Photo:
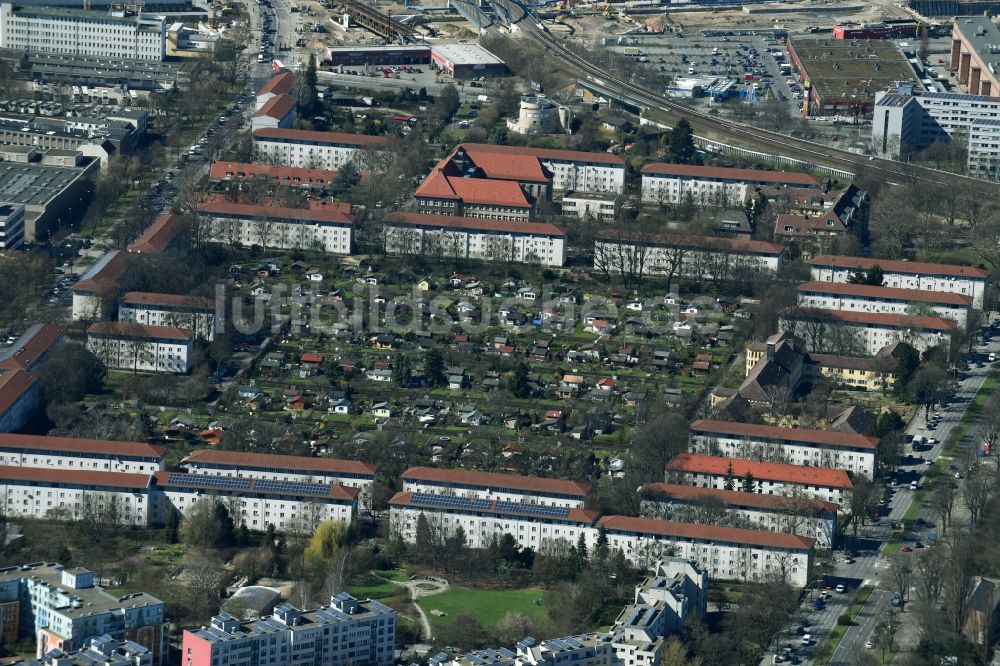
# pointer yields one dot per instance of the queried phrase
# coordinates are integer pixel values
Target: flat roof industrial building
(466, 60)
(94, 71)
(52, 196)
(975, 54)
(844, 75)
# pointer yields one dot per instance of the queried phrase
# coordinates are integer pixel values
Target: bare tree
(901, 575)
(957, 578)
(942, 501)
(976, 493)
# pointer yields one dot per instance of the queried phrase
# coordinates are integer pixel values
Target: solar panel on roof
(292, 487)
(201, 481)
(378, 607)
(573, 642)
(449, 501)
(526, 642)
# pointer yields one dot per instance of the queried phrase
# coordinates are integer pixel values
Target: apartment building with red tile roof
(439, 194)
(166, 232)
(491, 485)
(872, 331)
(885, 300)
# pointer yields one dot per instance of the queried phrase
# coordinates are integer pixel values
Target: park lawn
(370, 587)
(488, 606)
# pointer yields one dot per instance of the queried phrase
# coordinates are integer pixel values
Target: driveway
(420, 586)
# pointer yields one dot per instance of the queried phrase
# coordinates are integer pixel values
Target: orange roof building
(440, 194)
(166, 232)
(886, 300)
(491, 485)
(303, 177)
(307, 148)
(20, 387)
(870, 331)
(770, 478)
(920, 275)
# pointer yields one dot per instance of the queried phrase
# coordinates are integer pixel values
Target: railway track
(749, 137)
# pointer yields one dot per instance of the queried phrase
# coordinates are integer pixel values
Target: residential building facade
(514, 488)
(11, 226)
(704, 185)
(191, 313)
(920, 275)
(470, 238)
(315, 150)
(349, 473)
(348, 631)
(683, 255)
(70, 453)
(439, 194)
(797, 446)
(888, 300)
(726, 553)
(803, 516)
(770, 478)
(143, 347)
(865, 332)
(319, 228)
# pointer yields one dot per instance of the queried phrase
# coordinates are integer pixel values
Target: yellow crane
(607, 10)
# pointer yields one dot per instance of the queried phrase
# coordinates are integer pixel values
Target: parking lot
(754, 62)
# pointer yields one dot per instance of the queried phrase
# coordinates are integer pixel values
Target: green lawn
(489, 606)
(370, 587)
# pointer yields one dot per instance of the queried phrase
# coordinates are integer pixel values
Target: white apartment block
(916, 121)
(67, 453)
(796, 446)
(770, 478)
(984, 150)
(349, 473)
(142, 347)
(683, 255)
(11, 226)
(584, 172)
(112, 34)
(316, 150)
(712, 186)
(61, 609)
(726, 553)
(472, 238)
(288, 505)
(586, 206)
(491, 486)
(110, 498)
(191, 313)
(864, 332)
(94, 294)
(348, 631)
(920, 275)
(323, 229)
(533, 525)
(887, 300)
(791, 515)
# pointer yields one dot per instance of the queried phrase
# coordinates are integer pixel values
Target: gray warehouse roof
(34, 184)
(983, 36)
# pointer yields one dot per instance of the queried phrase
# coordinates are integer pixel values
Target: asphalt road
(869, 564)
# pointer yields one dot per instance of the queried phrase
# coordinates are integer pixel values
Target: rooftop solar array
(526, 642)
(202, 481)
(568, 643)
(533, 509)
(292, 487)
(448, 501)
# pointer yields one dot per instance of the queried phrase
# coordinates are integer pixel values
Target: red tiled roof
(725, 173)
(160, 234)
(895, 266)
(711, 533)
(876, 318)
(554, 154)
(300, 463)
(76, 477)
(285, 174)
(277, 107)
(695, 242)
(105, 278)
(138, 330)
(808, 226)
(696, 463)
(38, 345)
(279, 84)
(332, 214)
(885, 293)
(453, 221)
(13, 384)
(77, 445)
(168, 300)
(499, 166)
(309, 357)
(494, 480)
(575, 515)
(822, 437)
(472, 190)
(737, 498)
(309, 136)
(336, 491)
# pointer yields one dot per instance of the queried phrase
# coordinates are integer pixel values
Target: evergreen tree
(682, 142)
(581, 547)
(730, 482)
(519, 385)
(425, 540)
(601, 550)
(242, 536)
(749, 484)
(227, 529)
(347, 178)
(269, 537)
(401, 372)
(307, 89)
(171, 527)
(434, 367)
